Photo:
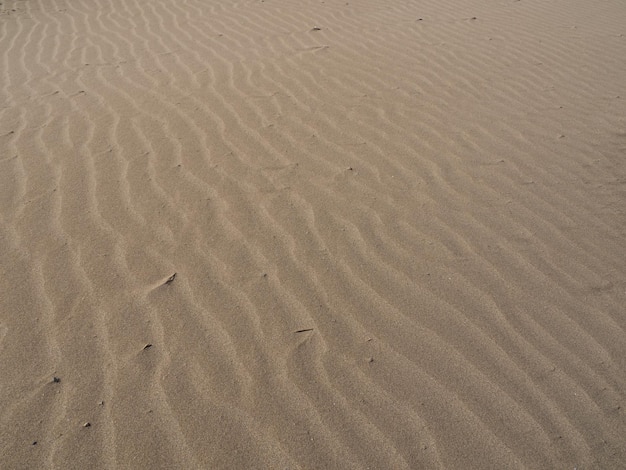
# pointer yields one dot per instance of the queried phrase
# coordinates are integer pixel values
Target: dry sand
(397, 229)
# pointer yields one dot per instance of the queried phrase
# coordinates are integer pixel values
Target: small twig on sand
(303, 330)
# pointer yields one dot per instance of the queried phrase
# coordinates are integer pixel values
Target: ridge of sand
(397, 230)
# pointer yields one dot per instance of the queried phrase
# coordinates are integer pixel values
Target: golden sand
(396, 227)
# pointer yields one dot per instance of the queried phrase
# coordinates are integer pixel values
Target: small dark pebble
(56, 380)
(87, 424)
(147, 346)
(370, 360)
(34, 443)
(316, 29)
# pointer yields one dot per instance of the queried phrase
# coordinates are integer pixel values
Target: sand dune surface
(352, 234)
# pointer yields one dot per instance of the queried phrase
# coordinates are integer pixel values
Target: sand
(397, 231)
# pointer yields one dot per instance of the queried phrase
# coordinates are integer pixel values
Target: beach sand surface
(312, 234)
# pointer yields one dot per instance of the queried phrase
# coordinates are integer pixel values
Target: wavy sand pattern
(397, 229)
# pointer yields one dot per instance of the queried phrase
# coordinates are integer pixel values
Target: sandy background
(397, 229)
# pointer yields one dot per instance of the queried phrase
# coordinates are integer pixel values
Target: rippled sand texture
(397, 229)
